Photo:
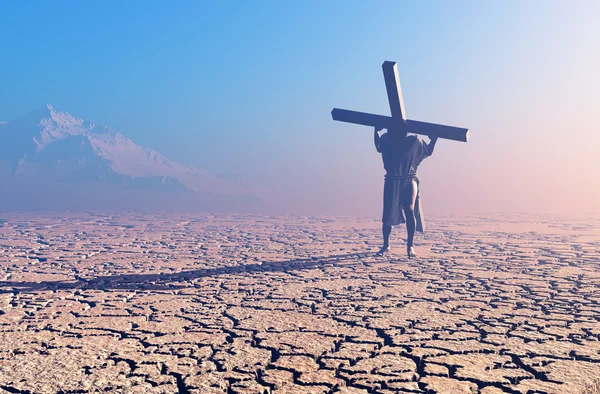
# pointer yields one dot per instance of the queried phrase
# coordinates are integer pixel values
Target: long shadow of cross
(168, 281)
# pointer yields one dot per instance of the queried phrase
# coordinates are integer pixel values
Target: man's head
(398, 131)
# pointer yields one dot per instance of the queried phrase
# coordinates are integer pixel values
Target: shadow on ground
(171, 281)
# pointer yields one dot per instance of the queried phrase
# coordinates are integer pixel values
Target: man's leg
(409, 212)
(387, 230)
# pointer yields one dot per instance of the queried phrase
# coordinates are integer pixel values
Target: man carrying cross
(401, 155)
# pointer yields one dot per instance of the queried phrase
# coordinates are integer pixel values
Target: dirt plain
(176, 303)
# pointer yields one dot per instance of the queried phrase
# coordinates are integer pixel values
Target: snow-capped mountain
(65, 156)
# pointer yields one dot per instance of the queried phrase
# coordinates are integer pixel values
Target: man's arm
(431, 145)
(377, 140)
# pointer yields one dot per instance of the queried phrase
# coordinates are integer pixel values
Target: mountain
(52, 159)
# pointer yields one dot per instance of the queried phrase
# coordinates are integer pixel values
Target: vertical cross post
(394, 92)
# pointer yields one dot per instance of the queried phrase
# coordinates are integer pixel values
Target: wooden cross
(398, 119)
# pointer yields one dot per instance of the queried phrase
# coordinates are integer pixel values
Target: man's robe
(401, 158)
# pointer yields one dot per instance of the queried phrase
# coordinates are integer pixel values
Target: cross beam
(398, 118)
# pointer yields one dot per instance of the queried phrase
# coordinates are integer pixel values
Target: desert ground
(198, 303)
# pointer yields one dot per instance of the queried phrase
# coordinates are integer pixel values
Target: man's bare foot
(383, 251)
(411, 252)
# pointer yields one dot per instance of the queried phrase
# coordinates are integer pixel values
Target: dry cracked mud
(174, 303)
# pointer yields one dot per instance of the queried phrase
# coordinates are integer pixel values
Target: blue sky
(247, 88)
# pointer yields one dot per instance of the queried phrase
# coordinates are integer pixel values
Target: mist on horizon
(235, 98)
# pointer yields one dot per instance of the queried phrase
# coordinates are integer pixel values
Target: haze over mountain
(52, 159)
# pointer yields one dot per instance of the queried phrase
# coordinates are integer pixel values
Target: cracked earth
(139, 303)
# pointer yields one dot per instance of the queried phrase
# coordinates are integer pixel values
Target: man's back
(402, 154)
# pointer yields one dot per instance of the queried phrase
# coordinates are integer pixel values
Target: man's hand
(431, 145)
(376, 138)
